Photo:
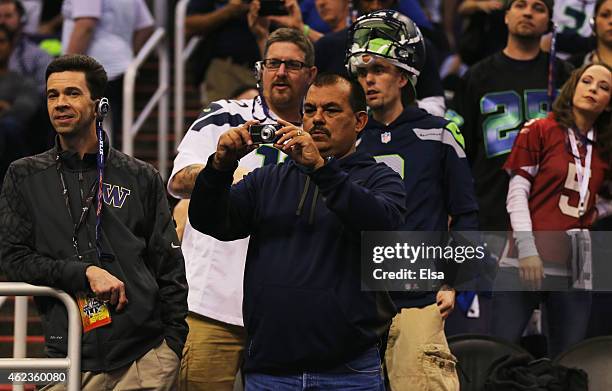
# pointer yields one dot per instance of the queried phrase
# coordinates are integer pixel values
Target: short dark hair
(359, 6)
(297, 38)
(357, 98)
(550, 6)
(18, 6)
(95, 75)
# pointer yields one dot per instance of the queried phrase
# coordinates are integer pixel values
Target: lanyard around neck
(85, 206)
(87, 202)
(100, 168)
(583, 175)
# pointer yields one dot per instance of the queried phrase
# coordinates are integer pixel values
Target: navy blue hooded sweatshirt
(303, 305)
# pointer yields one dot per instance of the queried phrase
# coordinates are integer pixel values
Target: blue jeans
(566, 313)
(363, 373)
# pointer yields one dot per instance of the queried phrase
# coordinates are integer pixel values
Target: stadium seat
(594, 357)
(475, 354)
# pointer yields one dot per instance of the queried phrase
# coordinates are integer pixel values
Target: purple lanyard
(551, 68)
(100, 166)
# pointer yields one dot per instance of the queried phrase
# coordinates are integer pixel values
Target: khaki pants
(417, 357)
(223, 78)
(156, 370)
(212, 355)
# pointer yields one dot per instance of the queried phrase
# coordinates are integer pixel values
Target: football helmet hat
(389, 35)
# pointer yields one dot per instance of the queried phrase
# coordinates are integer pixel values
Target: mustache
(280, 80)
(319, 129)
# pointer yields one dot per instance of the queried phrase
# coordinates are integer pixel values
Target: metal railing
(159, 42)
(181, 55)
(73, 360)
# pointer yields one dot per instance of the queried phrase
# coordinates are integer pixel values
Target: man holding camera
(308, 322)
(86, 218)
(215, 269)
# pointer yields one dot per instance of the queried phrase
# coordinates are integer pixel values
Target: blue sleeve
(461, 201)
(311, 17)
(378, 204)
(465, 104)
(465, 222)
(413, 10)
(219, 209)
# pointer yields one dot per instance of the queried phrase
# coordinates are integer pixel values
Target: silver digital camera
(264, 134)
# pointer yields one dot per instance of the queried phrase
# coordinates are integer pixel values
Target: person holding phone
(288, 13)
(220, 65)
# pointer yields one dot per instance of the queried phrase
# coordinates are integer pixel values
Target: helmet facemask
(388, 35)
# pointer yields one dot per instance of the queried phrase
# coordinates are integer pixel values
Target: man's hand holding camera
(291, 139)
(298, 144)
(232, 146)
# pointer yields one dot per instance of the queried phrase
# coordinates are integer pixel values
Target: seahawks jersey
(215, 269)
(427, 152)
(200, 141)
(495, 97)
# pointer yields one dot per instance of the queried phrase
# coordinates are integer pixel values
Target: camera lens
(267, 133)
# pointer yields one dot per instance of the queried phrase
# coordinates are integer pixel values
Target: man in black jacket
(308, 322)
(97, 225)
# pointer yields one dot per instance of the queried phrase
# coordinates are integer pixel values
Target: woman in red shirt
(557, 166)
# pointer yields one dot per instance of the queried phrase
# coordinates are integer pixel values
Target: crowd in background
(491, 67)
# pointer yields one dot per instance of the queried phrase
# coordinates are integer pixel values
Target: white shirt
(111, 44)
(215, 269)
(33, 10)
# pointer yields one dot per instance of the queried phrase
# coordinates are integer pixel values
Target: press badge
(94, 312)
(582, 260)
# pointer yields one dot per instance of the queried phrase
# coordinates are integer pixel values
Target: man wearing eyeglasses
(215, 269)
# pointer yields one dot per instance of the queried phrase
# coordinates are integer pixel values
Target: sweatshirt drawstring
(313, 205)
(298, 212)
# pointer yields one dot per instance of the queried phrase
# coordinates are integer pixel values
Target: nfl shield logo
(385, 137)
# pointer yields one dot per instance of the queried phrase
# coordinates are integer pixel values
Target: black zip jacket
(138, 237)
(304, 307)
